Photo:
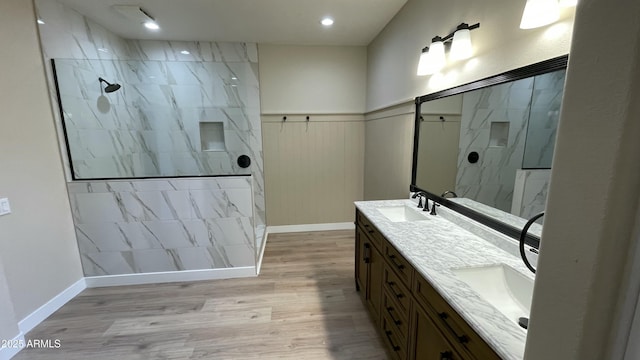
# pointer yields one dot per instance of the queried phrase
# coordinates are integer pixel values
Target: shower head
(110, 87)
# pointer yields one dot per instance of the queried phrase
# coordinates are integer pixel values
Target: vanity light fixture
(40, 21)
(461, 45)
(432, 58)
(539, 13)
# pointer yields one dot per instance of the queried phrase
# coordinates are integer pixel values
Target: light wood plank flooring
(302, 306)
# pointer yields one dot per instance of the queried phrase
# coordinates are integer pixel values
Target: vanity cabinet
(427, 343)
(369, 265)
(415, 322)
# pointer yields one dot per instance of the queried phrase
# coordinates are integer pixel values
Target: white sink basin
(401, 213)
(503, 287)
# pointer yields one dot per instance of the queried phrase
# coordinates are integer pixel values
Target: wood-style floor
(302, 306)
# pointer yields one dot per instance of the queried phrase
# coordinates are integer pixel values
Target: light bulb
(435, 57)
(422, 63)
(461, 46)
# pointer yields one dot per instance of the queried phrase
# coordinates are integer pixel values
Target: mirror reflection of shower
(110, 87)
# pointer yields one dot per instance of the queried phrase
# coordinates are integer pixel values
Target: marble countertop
(436, 246)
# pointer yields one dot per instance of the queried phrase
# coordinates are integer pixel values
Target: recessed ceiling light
(40, 21)
(185, 52)
(151, 25)
(327, 21)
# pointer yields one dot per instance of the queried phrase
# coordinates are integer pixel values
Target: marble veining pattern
(153, 70)
(530, 195)
(490, 180)
(546, 101)
(126, 227)
(434, 247)
(531, 106)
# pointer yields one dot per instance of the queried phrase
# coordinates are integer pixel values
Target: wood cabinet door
(361, 263)
(376, 264)
(427, 343)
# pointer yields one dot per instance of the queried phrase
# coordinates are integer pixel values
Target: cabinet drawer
(450, 323)
(397, 345)
(398, 263)
(396, 290)
(370, 230)
(393, 312)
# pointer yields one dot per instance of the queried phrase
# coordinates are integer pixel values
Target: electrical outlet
(5, 207)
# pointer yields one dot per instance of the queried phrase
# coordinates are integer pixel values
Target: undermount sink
(503, 287)
(401, 213)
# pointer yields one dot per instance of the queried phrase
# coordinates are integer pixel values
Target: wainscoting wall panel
(389, 150)
(314, 169)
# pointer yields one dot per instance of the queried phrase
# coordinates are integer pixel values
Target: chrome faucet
(449, 192)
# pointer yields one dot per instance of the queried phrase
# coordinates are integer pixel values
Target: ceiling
(293, 22)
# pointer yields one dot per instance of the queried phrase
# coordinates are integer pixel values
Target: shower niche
(212, 136)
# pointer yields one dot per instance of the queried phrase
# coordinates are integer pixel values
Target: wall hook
(307, 117)
(442, 118)
(284, 118)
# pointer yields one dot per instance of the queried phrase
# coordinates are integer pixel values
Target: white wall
(312, 79)
(8, 321)
(588, 232)
(37, 241)
(499, 46)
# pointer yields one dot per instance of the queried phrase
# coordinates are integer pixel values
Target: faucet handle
(433, 208)
(418, 195)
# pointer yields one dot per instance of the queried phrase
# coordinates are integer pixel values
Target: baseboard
(264, 246)
(51, 306)
(7, 353)
(310, 227)
(170, 276)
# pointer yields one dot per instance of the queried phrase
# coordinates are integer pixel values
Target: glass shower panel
(151, 126)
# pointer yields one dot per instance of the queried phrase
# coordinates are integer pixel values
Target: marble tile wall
(530, 193)
(150, 127)
(543, 120)
(491, 179)
(69, 35)
(126, 227)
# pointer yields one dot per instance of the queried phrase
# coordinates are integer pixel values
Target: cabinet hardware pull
(446, 355)
(463, 339)
(398, 295)
(389, 310)
(399, 266)
(393, 346)
(367, 253)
